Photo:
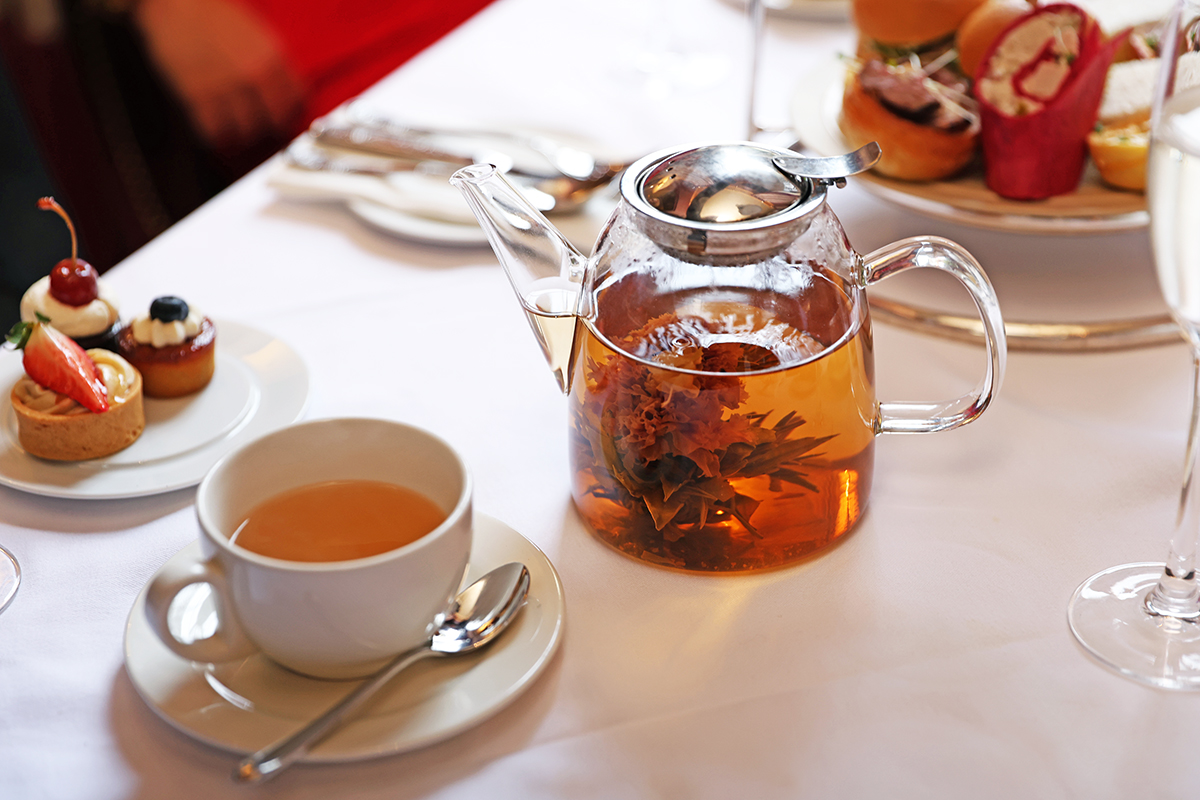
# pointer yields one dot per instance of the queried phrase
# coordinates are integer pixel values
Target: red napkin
(341, 48)
(1041, 154)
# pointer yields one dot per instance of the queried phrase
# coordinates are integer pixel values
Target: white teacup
(334, 619)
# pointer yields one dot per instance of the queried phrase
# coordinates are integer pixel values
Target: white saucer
(241, 706)
(260, 384)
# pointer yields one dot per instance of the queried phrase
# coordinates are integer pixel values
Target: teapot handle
(943, 254)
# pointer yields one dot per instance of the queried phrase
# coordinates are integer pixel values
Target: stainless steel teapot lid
(729, 199)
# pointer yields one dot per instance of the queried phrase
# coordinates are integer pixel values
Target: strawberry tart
(73, 405)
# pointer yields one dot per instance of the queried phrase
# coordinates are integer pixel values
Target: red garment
(341, 47)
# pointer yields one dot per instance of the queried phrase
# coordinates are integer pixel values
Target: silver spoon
(480, 613)
(831, 169)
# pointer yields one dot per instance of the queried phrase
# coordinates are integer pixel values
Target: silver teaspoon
(480, 613)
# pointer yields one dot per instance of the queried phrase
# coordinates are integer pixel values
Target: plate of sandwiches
(999, 114)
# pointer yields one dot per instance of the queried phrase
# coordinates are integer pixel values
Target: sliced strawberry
(54, 361)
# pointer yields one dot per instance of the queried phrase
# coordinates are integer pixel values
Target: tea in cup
(330, 547)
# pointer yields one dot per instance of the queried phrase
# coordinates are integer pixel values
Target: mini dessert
(72, 405)
(72, 297)
(174, 347)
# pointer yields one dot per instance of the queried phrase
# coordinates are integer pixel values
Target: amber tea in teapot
(739, 435)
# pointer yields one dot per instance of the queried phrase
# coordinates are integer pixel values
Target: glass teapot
(717, 352)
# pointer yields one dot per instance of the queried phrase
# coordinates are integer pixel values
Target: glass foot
(10, 578)
(1108, 616)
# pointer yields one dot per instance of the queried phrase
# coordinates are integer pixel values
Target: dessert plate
(243, 705)
(1092, 208)
(260, 384)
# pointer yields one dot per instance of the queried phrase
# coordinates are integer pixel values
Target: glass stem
(1177, 594)
(756, 37)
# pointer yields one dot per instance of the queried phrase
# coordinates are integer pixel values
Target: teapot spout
(545, 270)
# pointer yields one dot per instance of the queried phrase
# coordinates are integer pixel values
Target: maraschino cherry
(73, 281)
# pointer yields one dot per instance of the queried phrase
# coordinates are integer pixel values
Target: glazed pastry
(73, 298)
(174, 347)
(71, 405)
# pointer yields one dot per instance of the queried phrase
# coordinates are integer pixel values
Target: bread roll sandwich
(895, 30)
(905, 91)
(926, 123)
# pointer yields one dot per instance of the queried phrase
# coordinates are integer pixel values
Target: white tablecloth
(927, 656)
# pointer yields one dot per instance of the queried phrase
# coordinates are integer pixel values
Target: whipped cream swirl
(75, 321)
(157, 333)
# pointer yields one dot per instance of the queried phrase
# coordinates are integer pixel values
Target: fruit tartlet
(73, 405)
(73, 298)
(174, 347)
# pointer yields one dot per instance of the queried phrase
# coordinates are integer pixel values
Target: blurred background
(132, 113)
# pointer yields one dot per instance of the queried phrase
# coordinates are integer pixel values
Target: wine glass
(1143, 620)
(756, 12)
(10, 577)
